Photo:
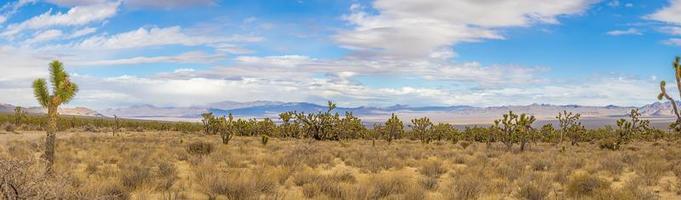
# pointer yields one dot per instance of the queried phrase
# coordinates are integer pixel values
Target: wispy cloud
(75, 16)
(630, 31)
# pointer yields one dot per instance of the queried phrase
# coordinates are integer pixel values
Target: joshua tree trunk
(50, 140)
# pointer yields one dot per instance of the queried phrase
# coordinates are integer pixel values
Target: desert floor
(156, 165)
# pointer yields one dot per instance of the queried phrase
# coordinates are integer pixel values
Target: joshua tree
(19, 115)
(570, 126)
(63, 91)
(515, 128)
(319, 125)
(422, 127)
(676, 126)
(628, 129)
(393, 128)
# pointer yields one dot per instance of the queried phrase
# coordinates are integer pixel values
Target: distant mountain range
(78, 111)
(456, 114)
(452, 114)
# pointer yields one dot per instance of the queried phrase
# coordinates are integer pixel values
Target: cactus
(63, 91)
(422, 128)
(394, 128)
(676, 126)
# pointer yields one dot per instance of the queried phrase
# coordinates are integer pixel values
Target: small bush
(384, 186)
(612, 165)
(9, 127)
(200, 148)
(467, 187)
(429, 183)
(541, 165)
(432, 168)
(532, 191)
(135, 176)
(651, 169)
(583, 184)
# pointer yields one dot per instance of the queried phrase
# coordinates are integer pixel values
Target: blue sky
(377, 53)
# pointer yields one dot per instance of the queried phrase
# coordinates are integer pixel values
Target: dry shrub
(466, 187)
(167, 175)
(25, 179)
(330, 184)
(651, 169)
(612, 165)
(632, 190)
(238, 184)
(582, 184)
(135, 176)
(91, 168)
(199, 148)
(384, 185)
(311, 190)
(533, 191)
(541, 164)
(432, 168)
(429, 183)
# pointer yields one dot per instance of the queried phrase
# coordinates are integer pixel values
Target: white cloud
(403, 28)
(8, 10)
(672, 30)
(144, 37)
(163, 4)
(673, 42)
(82, 32)
(630, 31)
(168, 4)
(45, 36)
(670, 14)
(80, 15)
(189, 57)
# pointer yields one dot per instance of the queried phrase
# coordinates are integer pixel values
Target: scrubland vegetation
(327, 155)
(171, 165)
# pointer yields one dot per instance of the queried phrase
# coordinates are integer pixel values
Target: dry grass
(183, 166)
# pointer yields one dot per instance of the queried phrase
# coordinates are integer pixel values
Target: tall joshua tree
(63, 91)
(663, 94)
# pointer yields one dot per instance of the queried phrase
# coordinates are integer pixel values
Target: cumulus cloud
(402, 28)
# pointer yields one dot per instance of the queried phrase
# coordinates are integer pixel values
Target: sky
(354, 52)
